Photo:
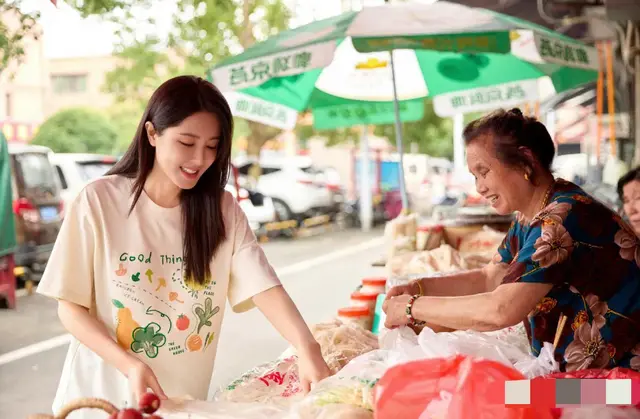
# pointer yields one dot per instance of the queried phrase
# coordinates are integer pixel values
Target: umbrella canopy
(340, 67)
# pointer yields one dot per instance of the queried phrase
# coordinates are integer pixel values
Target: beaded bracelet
(412, 320)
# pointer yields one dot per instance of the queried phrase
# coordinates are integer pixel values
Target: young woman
(148, 254)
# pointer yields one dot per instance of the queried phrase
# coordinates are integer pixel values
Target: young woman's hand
(141, 379)
(312, 367)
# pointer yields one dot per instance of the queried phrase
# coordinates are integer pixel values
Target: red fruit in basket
(183, 322)
(129, 414)
(149, 403)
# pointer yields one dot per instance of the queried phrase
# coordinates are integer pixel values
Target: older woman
(629, 192)
(565, 255)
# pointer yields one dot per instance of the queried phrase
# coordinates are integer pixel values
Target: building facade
(24, 86)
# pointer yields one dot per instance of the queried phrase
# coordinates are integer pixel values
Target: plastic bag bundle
(276, 383)
(349, 393)
(506, 348)
(341, 342)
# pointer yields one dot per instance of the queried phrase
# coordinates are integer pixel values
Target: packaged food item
(360, 316)
(341, 342)
(411, 225)
(361, 299)
(486, 240)
(429, 237)
(276, 383)
(373, 285)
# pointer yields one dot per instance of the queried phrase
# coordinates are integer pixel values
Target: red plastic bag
(474, 388)
(591, 374)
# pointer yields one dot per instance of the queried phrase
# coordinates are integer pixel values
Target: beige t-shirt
(128, 271)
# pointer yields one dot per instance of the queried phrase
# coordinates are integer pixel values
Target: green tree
(77, 130)
(15, 27)
(205, 33)
(432, 134)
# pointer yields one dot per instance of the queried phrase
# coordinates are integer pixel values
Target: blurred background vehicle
(258, 208)
(297, 187)
(37, 205)
(74, 170)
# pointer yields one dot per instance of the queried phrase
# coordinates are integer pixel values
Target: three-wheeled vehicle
(8, 242)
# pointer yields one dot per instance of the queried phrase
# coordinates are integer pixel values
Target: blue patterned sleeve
(545, 251)
(506, 250)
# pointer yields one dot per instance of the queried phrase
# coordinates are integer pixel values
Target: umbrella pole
(366, 199)
(396, 108)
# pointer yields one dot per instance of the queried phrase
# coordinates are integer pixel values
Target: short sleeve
(508, 249)
(69, 273)
(251, 272)
(545, 254)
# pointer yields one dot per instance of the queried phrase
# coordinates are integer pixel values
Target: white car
(296, 186)
(74, 170)
(258, 208)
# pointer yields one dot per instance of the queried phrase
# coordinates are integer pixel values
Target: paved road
(319, 273)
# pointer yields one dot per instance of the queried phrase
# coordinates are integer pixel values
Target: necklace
(547, 195)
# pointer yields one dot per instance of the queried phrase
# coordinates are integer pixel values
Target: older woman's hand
(396, 310)
(411, 288)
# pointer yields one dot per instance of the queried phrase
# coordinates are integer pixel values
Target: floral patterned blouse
(591, 257)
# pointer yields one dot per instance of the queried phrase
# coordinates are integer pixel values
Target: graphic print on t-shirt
(155, 313)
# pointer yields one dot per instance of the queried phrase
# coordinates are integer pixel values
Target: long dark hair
(202, 218)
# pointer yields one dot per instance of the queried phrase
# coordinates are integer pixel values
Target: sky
(66, 34)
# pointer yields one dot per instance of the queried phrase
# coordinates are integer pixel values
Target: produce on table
(149, 403)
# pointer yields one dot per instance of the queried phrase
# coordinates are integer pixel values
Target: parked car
(37, 206)
(258, 208)
(74, 170)
(297, 187)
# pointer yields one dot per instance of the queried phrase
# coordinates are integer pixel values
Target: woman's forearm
(277, 306)
(92, 333)
(476, 312)
(457, 284)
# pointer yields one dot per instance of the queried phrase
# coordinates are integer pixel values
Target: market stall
(404, 372)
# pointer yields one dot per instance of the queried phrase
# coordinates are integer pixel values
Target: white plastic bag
(544, 364)
(505, 348)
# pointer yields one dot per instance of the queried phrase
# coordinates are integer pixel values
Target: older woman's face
(505, 188)
(631, 200)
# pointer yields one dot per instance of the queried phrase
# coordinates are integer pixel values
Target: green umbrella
(342, 70)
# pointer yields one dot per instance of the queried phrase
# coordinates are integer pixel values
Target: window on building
(69, 83)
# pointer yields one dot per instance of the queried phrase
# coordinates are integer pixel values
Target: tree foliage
(15, 27)
(432, 135)
(77, 130)
(204, 32)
